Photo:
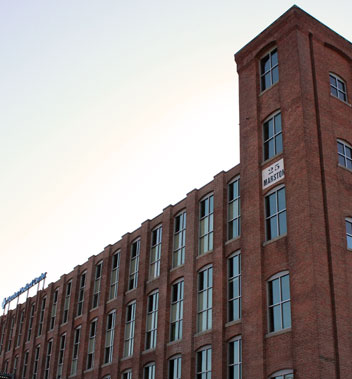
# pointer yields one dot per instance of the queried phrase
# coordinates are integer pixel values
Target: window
(60, 363)
(53, 309)
(20, 329)
(9, 341)
(6, 365)
(2, 337)
(204, 363)
(176, 311)
(15, 364)
(30, 323)
(109, 337)
(127, 374)
(175, 364)
(25, 364)
(234, 287)
(235, 359)
(67, 302)
(275, 213)
(82, 283)
(149, 371)
(338, 87)
(114, 277)
(205, 299)
(91, 344)
(152, 321)
(269, 70)
(272, 137)
(36, 362)
(206, 224)
(349, 233)
(97, 283)
(41, 317)
(279, 302)
(134, 264)
(178, 254)
(283, 374)
(155, 253)
(75, 351)
(234, 210)
(47, 359)
(129, 329)
(344, 153)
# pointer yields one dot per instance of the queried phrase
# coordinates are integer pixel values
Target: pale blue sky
(112, 110)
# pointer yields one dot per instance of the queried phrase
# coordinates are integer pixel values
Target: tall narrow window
(344, 152)
(275, 213)
(283, 374)
(97, 283)
(235, 359)
(234, 289)
(149, 371)
(2, 335)
(48, 358)
(67, 302)
(114, 276)
(205, 299)
(349, 233)
(20, 329)
(175, 364)
(127, 374)
(206, 224)
(36, 361)
(9, 341)
(152, 321)
(178, 254)
(269, 70)
(134, 265)
(41, 317)
(109, 337)
(176, 311)
(82, 284)
(155, 253)
(53, 309)
(279, 302)
(234, 209)
(91, 344)
(60, 363)
(129, 329)
(75, 350)
(25, 364)
(204, 363)
(338, 87)
(272, 136)
(15, 364)
(30, 323)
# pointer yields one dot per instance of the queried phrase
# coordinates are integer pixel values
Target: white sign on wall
(273, 173)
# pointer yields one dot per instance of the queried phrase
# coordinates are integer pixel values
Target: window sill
(272, 159)
(203, 332)
(274, 240)
(126, 358)
(148, 351)
(176, 268)
(233, 240)
(174, 342)
(235, 322)
(277, 333)
(343, 101)
(152, 280)
(129, 291)
(204, 254)
(267, 89)
(344, 167)
(88, 370)
(105, 364)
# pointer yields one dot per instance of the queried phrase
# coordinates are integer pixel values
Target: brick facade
(316, 342)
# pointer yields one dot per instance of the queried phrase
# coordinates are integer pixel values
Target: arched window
(338, 87)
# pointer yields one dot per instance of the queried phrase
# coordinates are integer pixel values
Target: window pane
(285, 287)
(281, 199)
(286, 310)
(278, 142)
(349, 242)
(282, 223)
(275, 73)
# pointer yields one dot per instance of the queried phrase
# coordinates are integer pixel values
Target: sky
(110, 111)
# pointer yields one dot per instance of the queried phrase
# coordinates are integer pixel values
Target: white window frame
(176, 323)
(98, 273)
(53, 309)
(177, 367)
(36, 361)
(151, 327)
(206, 224)
(283, 373)
(208, 364)
(129, 330)
(80, 300)
(281, 302)
(20, 328)
(49, 351)
(114, 276)
(155, 252)
(230, 279)
(41, 316)
(134, 264)
(127, 374)
(91, 344)
(75, 349)
(347, 160)
(149, 371)
(109, 336)
(68, 289)
(270, 70)
(233, 231)
(274, 137)
(348, 234)
(275, 214)
(60, 362)
(25, 364)
(237, 362)
(30, 322)
(179, 247)
(341, 93)
(12, 326)
(205, 313)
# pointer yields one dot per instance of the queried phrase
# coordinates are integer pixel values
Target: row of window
(269, 75)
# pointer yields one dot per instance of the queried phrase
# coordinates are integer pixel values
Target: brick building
(251, 282)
